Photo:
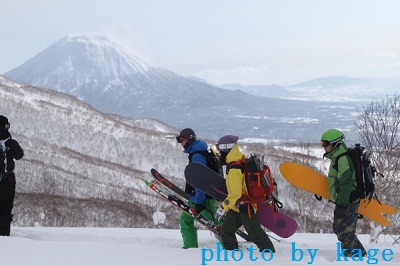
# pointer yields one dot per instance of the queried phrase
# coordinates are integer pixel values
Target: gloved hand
(219, 214)
(340, 211)
(198, 208)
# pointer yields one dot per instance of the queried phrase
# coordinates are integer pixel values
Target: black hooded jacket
(13, 149)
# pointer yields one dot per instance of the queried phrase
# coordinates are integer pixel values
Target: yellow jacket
(235, 182)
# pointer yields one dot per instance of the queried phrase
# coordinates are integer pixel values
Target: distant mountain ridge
(262, 90)
(106, 76)
(326, 89)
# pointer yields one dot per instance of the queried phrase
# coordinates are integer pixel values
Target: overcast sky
(251, 42)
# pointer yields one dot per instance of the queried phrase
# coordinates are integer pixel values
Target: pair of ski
(160, 189)
(213, 184)
(164, 188)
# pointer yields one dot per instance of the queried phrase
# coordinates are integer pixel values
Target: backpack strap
(245, 198)
(235, 165)
(204, 153)
(190, 156)
(335, 166)
(353, 193)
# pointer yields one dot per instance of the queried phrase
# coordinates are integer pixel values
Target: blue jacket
(197, 145)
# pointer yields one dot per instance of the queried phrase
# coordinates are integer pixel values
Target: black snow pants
(7, 194)
(233, 220)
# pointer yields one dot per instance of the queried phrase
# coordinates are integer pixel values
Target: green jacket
(341, 176)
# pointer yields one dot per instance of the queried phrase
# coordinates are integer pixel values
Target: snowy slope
(154, 247)
(74, 152)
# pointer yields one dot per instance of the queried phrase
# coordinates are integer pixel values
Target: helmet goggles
(325, 143)
(180, 139)
(224, 147)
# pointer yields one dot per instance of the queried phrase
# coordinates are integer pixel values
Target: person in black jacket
(7, 183)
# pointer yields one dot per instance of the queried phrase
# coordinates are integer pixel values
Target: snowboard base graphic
(307, 179)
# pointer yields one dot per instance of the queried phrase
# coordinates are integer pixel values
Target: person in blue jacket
(199, 202)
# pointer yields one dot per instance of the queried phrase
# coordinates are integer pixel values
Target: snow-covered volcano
(94, 69)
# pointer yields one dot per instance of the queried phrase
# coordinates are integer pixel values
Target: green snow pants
(186, 222)
(233, 220)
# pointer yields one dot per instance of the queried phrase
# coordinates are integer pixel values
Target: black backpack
(365, 172)
(213, 163)
(212, 160)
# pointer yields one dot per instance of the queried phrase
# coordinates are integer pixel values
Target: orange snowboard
(307, 179)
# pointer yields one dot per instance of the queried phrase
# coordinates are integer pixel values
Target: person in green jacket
(341, 182)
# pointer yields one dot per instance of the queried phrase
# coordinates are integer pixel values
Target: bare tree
(378, 127)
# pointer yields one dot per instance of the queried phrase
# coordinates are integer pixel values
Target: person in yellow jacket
(237, 215)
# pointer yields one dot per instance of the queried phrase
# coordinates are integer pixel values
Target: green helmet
(332, 136)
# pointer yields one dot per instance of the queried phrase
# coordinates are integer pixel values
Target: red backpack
(261, 187)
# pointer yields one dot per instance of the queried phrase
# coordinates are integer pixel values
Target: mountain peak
(77, 60)
(101, 40)
(103, 43)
